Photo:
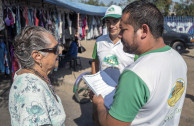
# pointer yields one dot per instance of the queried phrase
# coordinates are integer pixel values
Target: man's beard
(132, 49)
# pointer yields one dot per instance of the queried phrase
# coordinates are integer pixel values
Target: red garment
(26, 15)
(36, 19)
(11, 17)
(15, 66)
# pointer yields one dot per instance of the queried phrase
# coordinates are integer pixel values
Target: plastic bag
(81, 49)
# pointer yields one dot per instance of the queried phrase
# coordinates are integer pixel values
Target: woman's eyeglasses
(55, 50)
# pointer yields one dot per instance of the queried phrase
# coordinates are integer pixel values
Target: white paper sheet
(101, 83)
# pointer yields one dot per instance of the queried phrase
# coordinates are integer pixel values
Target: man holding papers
(151, 91)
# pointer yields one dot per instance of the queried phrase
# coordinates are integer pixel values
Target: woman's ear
(37, 56)
(145, 31)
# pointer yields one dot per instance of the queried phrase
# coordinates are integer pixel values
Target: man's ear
(37, 56)
(145, 31)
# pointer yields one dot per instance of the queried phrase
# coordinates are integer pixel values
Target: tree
(102, 4)
(163, 5)
(93, 2)
(112, 3)
(184, 8)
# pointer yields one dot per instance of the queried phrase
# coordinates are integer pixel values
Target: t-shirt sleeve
(131, 94)
(94, 54)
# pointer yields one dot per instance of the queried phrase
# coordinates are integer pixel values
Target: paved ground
(80, 115)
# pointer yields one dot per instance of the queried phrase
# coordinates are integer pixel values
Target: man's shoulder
(102, 38)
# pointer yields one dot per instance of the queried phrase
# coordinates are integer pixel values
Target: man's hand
(104, 118)
(98, 100)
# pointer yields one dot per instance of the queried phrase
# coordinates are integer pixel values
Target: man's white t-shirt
(111, 56)
(151, 91)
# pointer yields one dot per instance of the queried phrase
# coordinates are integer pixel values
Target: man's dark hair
(141, 12)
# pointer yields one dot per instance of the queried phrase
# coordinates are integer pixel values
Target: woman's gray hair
(31, 38)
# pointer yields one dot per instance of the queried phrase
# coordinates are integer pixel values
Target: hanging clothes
(18, 22)
(7, 19)
(83, 27)
(22, 18)
(44, 18)
(15, 65)
(60, 25)
(2, 25)
(4, 65)
(94, 22)
(36, 21)
(12, 16)
(89, 21)
(41, 18)
(69, 24)
(67, 31)
(2, 60)
(55, 16)
(49, 22)
(30, 17)
(63, 29)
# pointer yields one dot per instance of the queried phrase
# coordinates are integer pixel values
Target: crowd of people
(151, 77)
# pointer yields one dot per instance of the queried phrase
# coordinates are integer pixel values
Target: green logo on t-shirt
(111, 60)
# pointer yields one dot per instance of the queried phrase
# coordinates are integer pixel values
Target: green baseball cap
(113, 11)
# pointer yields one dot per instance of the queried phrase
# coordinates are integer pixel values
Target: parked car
(178, 41)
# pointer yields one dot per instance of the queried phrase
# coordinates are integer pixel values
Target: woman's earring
(40, 65)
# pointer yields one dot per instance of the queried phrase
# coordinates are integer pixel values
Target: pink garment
(83, 28)
(84, 21)
(83, 32)
(11, 17)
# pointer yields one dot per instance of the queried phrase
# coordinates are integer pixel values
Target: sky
(108, 1)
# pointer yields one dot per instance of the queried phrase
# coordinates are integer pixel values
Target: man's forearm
(102, 114)
(95, 66)
(106, 119)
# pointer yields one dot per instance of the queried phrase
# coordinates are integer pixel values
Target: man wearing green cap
(108, 51)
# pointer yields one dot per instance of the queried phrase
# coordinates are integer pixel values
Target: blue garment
(72, 52)
(7, 71)
(4, 64)
(2, 59)
(57, 25)
(30, 18)
(18, 23)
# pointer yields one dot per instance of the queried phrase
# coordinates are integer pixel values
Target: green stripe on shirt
(163, 49)
(94, 54)
(131, 94)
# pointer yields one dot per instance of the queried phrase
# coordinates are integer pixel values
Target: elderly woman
(32, 100)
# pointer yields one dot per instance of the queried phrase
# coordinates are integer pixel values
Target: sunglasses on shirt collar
(54, 50)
